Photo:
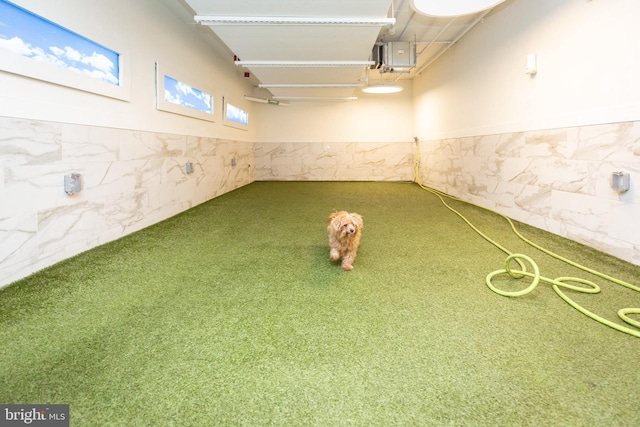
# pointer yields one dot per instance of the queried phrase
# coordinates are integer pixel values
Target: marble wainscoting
(131, 180)
(557, 180)
(342, 161)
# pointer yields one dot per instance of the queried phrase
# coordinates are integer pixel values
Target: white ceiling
(326, 42)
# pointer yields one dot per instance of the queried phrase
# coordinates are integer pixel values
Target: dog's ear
(357, 220)
(336, 222)
(331, 216)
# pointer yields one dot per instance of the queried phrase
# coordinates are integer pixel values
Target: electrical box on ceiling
(399, 57)
(394, 57)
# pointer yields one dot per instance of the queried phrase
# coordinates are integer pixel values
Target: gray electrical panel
(398, 57)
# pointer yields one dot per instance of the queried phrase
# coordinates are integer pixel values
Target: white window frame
(232, 123)
(170, 107)
(24, 66)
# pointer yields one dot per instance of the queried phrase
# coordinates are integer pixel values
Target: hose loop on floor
(622, 313)
(516, 274)
(557, 284)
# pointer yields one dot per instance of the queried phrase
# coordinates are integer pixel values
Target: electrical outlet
(233, 161)
(620, 181)
(188, 168)
(72, 183)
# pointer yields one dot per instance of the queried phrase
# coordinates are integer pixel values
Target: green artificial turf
(232, 314)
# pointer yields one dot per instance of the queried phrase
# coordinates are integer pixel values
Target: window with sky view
(29, 35)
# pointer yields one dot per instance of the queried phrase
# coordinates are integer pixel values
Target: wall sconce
(620, 181)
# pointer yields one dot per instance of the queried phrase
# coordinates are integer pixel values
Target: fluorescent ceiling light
(382, 88)
(265, 101)
(452, 8)
(304, 63)
(316, 98)
(311, 85)
(291, 20)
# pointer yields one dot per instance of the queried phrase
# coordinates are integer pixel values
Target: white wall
(131, 156)
(588, 68)
(370, 118)
(541, 149)
(369, 139)
(147, 31)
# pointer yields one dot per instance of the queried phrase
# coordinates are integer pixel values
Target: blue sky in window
(30, 35)
(181, 93)
(237, 115)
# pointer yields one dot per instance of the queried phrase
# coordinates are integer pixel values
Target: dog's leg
(347, 262)
(334, 255)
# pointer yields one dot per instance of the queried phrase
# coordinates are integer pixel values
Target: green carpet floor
(232, 314)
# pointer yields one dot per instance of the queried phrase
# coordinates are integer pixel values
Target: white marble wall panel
(335, 161)
(557, 180)
(131, 180)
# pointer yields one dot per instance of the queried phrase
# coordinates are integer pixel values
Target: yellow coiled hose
(557, 284)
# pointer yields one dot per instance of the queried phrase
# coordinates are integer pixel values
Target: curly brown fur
(344, 237)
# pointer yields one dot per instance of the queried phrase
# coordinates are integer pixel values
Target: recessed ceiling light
(382, 88)
(452, 8)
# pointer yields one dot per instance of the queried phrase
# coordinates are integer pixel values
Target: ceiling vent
(394, 57)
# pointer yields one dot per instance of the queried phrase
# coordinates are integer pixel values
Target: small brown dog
(344, 237)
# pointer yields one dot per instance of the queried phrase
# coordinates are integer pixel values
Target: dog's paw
(334, 255)
(347, 267)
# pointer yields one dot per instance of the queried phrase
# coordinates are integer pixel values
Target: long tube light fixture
(310, 85)
(382, 88)
(287, 64)
(316, 98)
(291, 20)
(265, 101)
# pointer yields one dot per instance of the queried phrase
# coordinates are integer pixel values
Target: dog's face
(345, 224)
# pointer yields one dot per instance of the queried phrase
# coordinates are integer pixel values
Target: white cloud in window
(189, 91)
(237, 115)
(170, 97)
(99, 62)
(16, 45)
(96, 65)
(185, 95)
